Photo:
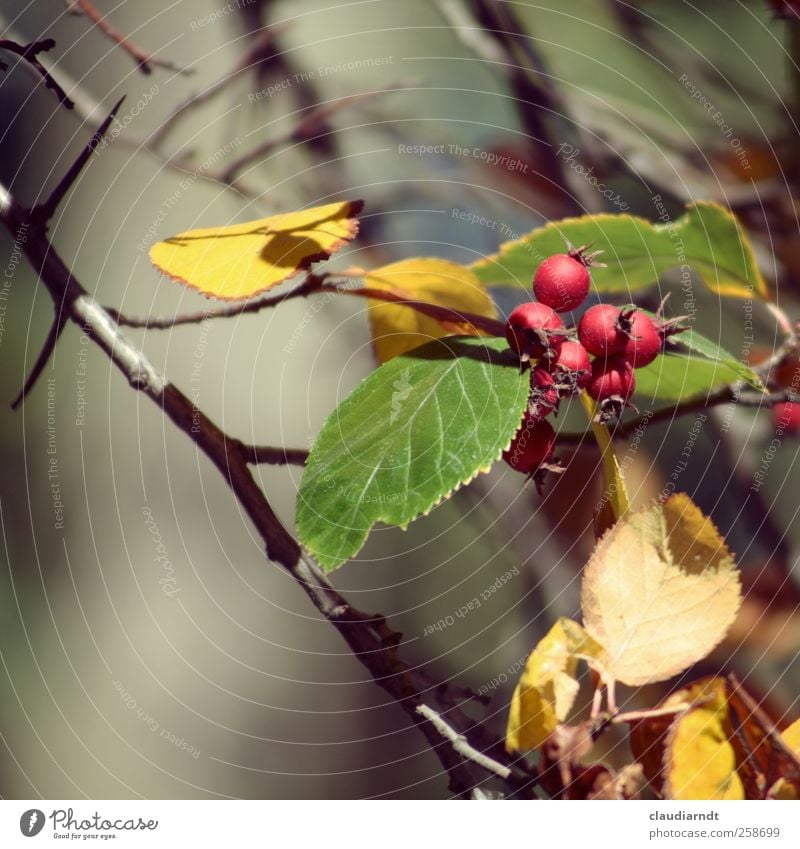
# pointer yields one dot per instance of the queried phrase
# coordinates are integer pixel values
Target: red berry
(786, 417)
(612, 378)
(562, 282)
(544, 393)
(644, 343)
(529, 330)
(601, 332)
(571, 365)
(532, 446)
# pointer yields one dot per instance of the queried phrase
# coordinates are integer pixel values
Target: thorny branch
(29, 53)
(368, 636)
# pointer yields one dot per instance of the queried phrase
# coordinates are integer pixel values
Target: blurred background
(148, 649)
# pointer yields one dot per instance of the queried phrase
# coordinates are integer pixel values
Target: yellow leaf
(548, 686)
(397, 329)
(791, 736)
(700, 762)
(241, 260)
(660, 591)
(783, 788)
(648, 734)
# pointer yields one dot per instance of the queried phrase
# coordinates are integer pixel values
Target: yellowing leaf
(660, 591)
(648, 734)
(397, 329)
(700, 762)
(548, 686)
(791, 736)
(242, 260)
(783, 788)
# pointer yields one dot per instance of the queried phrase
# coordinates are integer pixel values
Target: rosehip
(571, 365)
(644, 343)
(544, 393)
(562, 281)
(612, 378)
(532, 446)
(786, 417)
(529, 330)
(601, 330)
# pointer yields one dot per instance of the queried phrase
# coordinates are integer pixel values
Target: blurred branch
(29, 53)
(142, 58)
(368, 636)
(314, 125)
(496, 35)
(255, 55)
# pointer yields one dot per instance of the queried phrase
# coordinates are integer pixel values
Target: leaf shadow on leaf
(452, 347)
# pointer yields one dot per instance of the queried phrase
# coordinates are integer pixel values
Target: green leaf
(706, 238)
(693, 341)
(414, 431)
(677, 377)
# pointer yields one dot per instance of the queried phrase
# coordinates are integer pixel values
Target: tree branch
(368, 636)
(275, 456)
(312, 125)
(254, 56)
(462, 746)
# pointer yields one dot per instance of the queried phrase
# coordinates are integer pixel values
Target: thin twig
(142, 58)
(228, 311)
(45, 211)
(53, 335)
(312, 285)
(637, 715)
(29, 53)
(461, 744)
(444, 314)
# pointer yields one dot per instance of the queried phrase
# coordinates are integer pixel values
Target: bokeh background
(198, 669)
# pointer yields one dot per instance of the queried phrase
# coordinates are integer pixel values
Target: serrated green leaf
(693, 341)
(415, 430)
(676, 377)
(706, 237)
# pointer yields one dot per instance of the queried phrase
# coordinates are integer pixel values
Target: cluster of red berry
(620, 339)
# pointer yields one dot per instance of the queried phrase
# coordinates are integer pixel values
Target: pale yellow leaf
(660, 591)
(242, 260)
(397, 329)
(699, 761)
(548, 686)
